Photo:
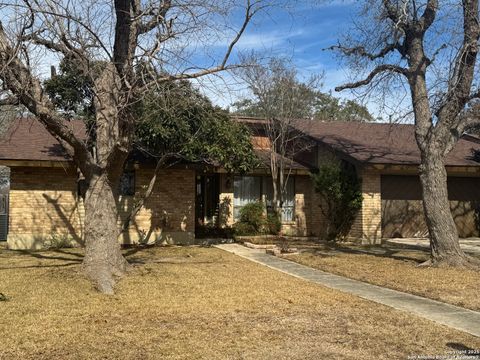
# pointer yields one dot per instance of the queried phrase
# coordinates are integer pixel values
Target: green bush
(253, 221)
(340, 190)
(273, 225)
(253, 214)
(244, 229)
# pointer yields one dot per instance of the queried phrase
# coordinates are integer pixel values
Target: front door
(207, 199)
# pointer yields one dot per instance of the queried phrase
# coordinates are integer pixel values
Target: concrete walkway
(471, 245)
(449, 315)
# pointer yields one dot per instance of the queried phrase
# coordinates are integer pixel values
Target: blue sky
(300, 34)
(303, 35)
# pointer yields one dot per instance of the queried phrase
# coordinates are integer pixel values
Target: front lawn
(395, 267)
(197, 303)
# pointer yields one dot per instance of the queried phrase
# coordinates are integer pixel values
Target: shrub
(253, 215)
(243, 229)
(339, 188)
(253, 221)
(273, 224)
(58, 241)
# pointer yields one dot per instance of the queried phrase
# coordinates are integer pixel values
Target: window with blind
(288, 208)
(248, 189)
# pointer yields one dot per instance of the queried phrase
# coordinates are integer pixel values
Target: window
(288, 208)
(246, 189)
(127, 183)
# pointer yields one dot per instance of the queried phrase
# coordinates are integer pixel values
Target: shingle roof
(378, 143)
(375, 143)
(27, 139)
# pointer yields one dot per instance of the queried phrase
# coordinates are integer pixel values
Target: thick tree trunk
(444, 241)
(103, 262)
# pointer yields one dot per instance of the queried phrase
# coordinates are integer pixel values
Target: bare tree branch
(361, 51)
(378, 70)
(158, 17)
(429, 14)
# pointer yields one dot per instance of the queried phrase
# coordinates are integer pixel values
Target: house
(387, 159)
(43, 203)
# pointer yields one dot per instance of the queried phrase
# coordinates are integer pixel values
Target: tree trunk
(275, 197)
(274, 176)
(103, 262)
(444, 241)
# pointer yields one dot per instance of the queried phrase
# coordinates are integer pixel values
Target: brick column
(226, 200)
(368, 224)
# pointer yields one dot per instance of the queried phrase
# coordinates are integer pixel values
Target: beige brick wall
(44, 206)
(317, 224)
(169, 213)
(368, 223)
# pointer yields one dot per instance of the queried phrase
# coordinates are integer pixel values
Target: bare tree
(281, 99)
(121, 46)
(431, 46)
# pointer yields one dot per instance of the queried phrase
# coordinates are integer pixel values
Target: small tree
(280, 98)
(330, 108)
(341, 197)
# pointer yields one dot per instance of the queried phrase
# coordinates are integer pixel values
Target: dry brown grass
(197, 303)
(397, 268)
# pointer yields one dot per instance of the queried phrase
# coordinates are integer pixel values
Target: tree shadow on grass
(386, 253)
(41, 255)
(66, 258)
(130, 250)
(60, 260)
(381, 251)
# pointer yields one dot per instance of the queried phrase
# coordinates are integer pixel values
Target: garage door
(402, 209)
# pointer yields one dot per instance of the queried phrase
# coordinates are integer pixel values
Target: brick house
(386, 158)
(44, 202)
